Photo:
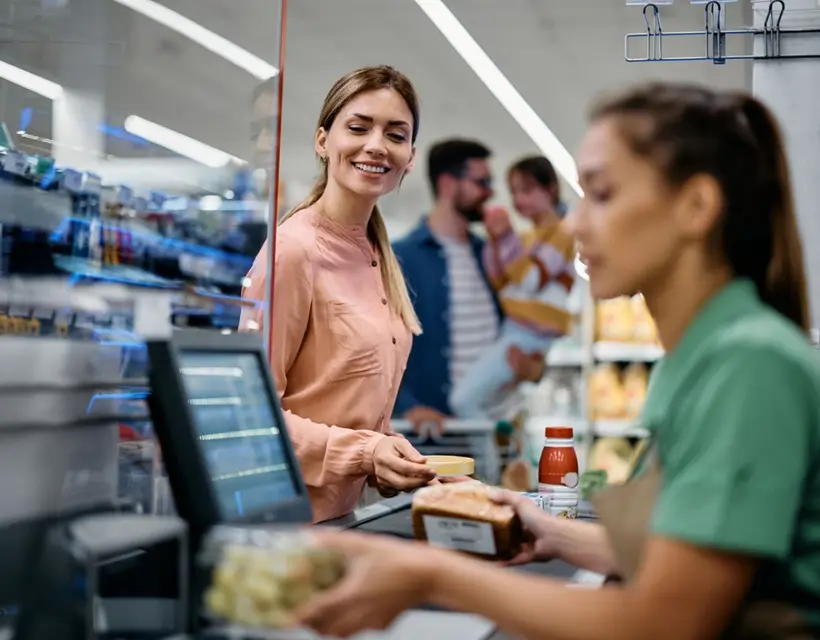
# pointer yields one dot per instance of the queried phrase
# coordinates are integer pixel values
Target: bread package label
(461, 516)
(462, 535)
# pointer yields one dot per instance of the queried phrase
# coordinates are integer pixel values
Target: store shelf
(625, 352)
(567, 356)
(625, 428)
(538, 423)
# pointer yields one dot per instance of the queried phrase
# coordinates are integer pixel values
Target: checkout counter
(79, 564)
(188, 373)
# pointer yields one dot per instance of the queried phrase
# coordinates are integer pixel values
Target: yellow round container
(452, 465)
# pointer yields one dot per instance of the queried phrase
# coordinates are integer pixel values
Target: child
(533, 275)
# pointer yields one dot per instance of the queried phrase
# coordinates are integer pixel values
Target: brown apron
(625, 512)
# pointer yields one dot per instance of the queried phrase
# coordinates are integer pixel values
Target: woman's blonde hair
(345, 90)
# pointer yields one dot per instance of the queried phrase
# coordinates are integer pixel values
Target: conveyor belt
(399, 523)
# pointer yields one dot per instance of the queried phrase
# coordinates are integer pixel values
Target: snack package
(612, 456)
(635, 382)
(644, 329)
(614, 320)
(607, 399)
(461, 516)
(260, 578)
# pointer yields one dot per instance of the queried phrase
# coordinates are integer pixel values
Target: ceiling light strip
(30, 81)
(204, 37)
(504, 91)
(177, 142)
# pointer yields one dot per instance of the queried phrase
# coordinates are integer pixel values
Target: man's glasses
(485, 183)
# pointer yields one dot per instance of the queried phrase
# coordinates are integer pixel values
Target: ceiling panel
(559, 55)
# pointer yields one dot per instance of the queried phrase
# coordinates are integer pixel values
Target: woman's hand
(397, 465)
(384, 578)
(537, 524)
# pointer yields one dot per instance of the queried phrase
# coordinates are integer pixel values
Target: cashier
(717, 533)
(342, 319)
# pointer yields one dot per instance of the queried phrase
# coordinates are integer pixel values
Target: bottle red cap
(559, 433)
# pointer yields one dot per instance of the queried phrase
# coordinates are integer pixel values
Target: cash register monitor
(219, 422)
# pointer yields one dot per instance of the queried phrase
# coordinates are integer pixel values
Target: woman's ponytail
(397, 294)
(784, 283)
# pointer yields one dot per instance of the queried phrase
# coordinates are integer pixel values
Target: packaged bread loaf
(461, 516)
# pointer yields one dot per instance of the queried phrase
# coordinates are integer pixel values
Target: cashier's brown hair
(734, 138)
(346, 89)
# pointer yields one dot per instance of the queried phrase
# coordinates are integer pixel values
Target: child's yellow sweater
(533, 274)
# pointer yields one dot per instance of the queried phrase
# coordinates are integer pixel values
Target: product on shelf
(558, 394)
(607, 398)
(644, 331)
(635, 381)
(615, 320)
(614, 456)
(260, 578)
(625, 319)
(461, 516)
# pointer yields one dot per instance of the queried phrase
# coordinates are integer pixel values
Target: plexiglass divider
(137, 156)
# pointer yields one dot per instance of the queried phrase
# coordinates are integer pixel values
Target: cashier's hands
(397, 465)
(384, 578)
(538, 525)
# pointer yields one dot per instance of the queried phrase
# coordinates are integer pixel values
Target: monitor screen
(238, 431)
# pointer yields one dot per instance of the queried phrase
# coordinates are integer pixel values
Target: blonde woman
(342, 318)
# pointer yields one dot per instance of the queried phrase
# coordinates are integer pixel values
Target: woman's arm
(326, 453)
(682, 593)
(582, 544)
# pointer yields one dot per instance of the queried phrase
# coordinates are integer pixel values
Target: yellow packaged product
(614, 320)
(645, 330)
(613, 455)
(607, 399)
(635, 382)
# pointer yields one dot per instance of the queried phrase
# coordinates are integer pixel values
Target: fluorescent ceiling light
(177, 142)
(204, 37)
(30, 81)
(502, 89)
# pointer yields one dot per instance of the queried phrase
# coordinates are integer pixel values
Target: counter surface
(393, 517)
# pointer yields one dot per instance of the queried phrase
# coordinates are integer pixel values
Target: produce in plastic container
(261, 578)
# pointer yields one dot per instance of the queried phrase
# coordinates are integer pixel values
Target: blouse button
(394, 341)
(374, 264)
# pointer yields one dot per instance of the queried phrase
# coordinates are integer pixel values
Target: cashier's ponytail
(345, 89)
(690, 130)
(783, 284)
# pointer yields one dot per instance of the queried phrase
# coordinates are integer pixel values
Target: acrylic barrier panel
(137, 145)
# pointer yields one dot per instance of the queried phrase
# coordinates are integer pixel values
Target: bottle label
(554, 483)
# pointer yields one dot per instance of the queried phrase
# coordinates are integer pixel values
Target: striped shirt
(473, 319)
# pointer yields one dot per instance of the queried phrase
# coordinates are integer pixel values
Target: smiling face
(633, 228)
(369, 148)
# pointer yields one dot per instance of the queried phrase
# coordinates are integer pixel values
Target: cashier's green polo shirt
(735, 414)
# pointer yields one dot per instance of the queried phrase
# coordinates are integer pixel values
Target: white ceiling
(559, 54)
